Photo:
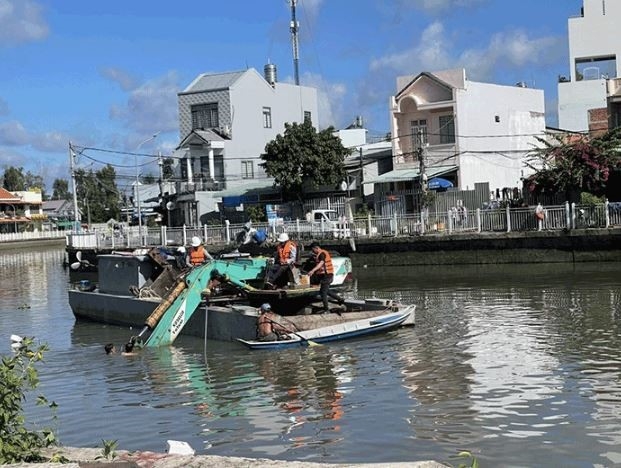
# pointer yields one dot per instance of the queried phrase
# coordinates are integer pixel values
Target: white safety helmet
(265, 307)
(181, 250)
(248, 226)
(284, 237)
(196, 241)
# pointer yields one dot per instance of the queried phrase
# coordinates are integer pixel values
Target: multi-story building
(467, 132)
(225, 121)
(593, 84)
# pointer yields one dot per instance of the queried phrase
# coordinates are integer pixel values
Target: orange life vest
(197, 255)
(328, 268)
(283, 252)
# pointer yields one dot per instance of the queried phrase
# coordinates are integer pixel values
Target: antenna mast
(294, 27)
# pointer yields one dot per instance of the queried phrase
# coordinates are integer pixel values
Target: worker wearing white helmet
(197, 254)
(284, 259)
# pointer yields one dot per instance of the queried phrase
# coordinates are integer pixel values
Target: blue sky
(106, 74)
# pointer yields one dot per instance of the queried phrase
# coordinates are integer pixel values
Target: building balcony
(200, 185)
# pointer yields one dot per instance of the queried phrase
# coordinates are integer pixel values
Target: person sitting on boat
(284, 260)
(250, 239)
(197, 254)
(268, 328)
(324, 270)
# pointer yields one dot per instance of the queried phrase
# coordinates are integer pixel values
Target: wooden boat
(341, 331)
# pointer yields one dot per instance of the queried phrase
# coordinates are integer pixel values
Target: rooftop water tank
(269, 72)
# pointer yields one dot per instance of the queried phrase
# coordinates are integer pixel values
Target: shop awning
(404, 175)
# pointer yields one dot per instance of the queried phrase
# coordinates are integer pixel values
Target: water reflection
(517, 363)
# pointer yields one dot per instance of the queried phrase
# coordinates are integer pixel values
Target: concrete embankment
(20, 245)
(92, 458)
(592, 245)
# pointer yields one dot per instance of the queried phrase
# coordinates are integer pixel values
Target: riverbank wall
(15, 245)
(576, 246)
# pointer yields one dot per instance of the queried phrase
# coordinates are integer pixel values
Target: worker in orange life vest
(284, 260)
(197, 254)
(324, 269)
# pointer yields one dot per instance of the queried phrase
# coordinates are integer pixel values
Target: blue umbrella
(438, 183)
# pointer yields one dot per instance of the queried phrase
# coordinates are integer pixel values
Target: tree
(148, 179)
(167, 168)
(573, 165)
(34, 183)
(97, 194)
(303, 154)
(14, 179)
(60, 190)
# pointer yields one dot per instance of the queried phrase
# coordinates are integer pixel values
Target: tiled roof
(6, 196)
(207, 82)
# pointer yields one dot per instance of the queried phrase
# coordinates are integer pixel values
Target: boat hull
(344, 331)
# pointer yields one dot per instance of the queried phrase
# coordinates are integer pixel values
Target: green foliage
(472, 460)
(97, 193)
(428, 198)
(148, 179)
(303, 154)
(256, 213)
(14, 179)
(590, 199)
(167, 168)
(19, 376)
(60, 190)
(578, 163)
(109, 449)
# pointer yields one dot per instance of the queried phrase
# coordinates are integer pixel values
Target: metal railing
(36, 235)
(558, 217)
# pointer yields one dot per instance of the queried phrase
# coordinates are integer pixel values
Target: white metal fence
(559, 217)
(36, 235)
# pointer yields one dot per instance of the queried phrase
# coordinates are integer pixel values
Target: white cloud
(13, 133)
(124, 79)
(438, 6)
(430, 53)
(509, 49)
(330, 97)
(151, 107)
(21, 21)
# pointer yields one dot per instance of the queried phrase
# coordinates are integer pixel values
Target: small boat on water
(337, 332)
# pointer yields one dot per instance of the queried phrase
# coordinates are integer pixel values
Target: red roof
(6, 196)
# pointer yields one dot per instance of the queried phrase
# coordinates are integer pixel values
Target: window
(247, 171)
(205, 116)
(267, 117)
(418, 132)
(307, 117)
(596, 68)
(447, 129)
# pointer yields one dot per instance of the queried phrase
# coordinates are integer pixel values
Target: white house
(225, 121)
(594, 45)
(470, 132)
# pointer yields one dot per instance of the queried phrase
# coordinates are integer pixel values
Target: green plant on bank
(19, 376)
(109, 449)
(472, 460)
(256, 213)
(587, 198)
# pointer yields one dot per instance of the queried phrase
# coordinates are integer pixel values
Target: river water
(519, 364)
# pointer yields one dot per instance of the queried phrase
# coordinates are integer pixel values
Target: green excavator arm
(166, 322)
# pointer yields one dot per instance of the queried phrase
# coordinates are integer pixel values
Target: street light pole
(152, 137)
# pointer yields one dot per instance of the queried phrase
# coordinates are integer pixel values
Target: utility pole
(422, 156)
(76, 213)
(361, 175)
(294, 28)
